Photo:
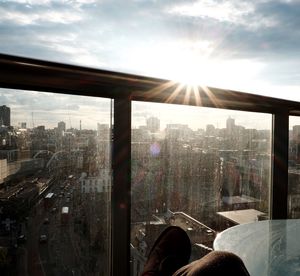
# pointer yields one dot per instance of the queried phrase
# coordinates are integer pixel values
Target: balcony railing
(125, 90)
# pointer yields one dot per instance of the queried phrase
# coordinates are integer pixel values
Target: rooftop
(242, 216)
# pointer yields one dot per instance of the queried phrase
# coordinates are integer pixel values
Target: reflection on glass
(55, 184)
(202, 169)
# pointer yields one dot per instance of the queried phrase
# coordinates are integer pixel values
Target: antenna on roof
(32, 119)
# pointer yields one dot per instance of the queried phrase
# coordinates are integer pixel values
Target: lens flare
(155, 149)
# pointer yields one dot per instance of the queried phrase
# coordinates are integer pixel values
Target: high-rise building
(230, 124)
(153, 124)
(4, 115)
(61, 127)
(23, 125)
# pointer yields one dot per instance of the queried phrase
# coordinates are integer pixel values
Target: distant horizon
(34, 108)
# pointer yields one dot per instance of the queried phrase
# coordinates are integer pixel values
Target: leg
(214, 264)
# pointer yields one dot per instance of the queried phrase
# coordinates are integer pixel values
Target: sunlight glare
(190, 66)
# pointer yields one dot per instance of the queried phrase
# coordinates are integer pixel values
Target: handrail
(32, 74)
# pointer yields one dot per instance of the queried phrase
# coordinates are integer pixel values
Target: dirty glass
(202, 169)
(55, 184)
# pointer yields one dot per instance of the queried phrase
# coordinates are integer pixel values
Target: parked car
(21, 239)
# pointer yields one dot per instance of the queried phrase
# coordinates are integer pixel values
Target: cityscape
(55, 199)
(55, 189)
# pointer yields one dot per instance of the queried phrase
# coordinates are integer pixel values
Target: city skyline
(34, 109)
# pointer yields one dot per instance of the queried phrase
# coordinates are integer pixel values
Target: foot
(171, 251)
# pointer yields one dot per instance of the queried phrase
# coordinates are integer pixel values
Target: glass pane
(294, 166)
(202, 169)
(55, 184)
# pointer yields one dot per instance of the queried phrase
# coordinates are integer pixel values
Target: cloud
(243, 27)
(31, 3)
(236, 13)
(221, 11)
(30, 17)
(154, 37)
(28, 2)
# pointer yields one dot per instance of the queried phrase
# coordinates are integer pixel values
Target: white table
(268, 248)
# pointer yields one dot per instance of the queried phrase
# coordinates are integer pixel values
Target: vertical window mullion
(121, 156)
(279, 191)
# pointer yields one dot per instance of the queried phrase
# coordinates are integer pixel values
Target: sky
(36, 109)
(250, 46)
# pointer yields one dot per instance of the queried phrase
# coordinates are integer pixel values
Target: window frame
(43, 76)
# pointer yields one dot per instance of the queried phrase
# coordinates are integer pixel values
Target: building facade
(4, 115)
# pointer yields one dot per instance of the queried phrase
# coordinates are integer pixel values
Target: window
(202, 169)
(198, 136)
(46, 138)
(294, 168)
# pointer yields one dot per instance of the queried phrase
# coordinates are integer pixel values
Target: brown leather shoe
(171, 251)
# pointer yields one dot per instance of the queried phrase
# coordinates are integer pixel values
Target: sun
(190, 75)
(188, 69)
(196, 65)
(239, 74)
